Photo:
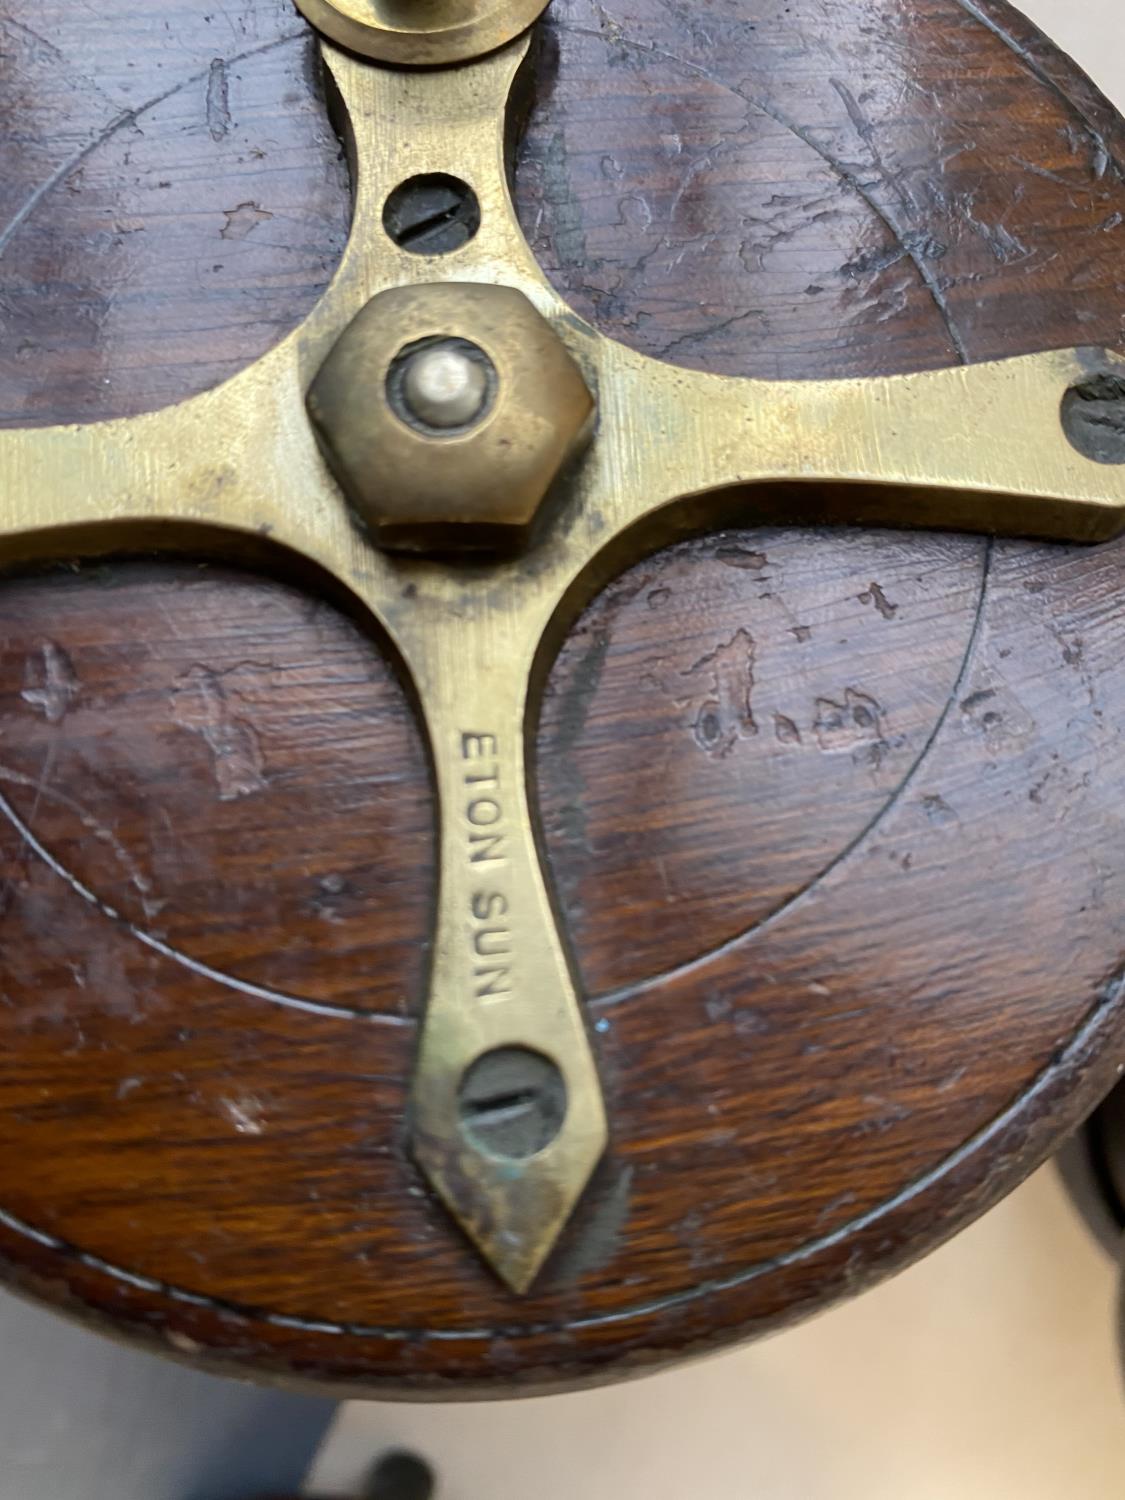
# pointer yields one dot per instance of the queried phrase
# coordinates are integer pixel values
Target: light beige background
(988, 1372)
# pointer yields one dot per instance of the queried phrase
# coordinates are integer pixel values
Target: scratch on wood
(218, 100)
(785, 730)
(873, 594)
(245, 1114)
(722, 701)
(51, 682)
(200, 704)
(97, 831)
(242, 221)
(127, 118)
(858, 720)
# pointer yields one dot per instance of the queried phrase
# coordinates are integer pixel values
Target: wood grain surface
(835, 817)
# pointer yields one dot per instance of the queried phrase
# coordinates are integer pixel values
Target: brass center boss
(445, 438)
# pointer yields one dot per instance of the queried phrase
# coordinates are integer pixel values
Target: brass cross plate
(467, 457)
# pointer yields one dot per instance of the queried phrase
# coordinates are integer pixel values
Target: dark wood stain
(834, 817)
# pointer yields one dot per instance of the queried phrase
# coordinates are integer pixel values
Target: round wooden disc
(834, 817)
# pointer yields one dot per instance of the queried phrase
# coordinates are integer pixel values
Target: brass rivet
(444, 386)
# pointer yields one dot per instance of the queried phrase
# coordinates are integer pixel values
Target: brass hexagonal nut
(477, 487)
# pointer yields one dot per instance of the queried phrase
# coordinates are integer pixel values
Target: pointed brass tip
(513, 1210)
(514, 1266)
(517, 1281)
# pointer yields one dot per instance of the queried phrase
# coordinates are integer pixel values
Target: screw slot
(1093, 418)
(432, 214)
(512, 1102)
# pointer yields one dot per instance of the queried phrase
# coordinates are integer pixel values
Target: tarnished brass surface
(422, 33)
(479, 488)
(981, 448)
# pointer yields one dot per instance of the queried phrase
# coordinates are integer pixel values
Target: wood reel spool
(833, 816)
